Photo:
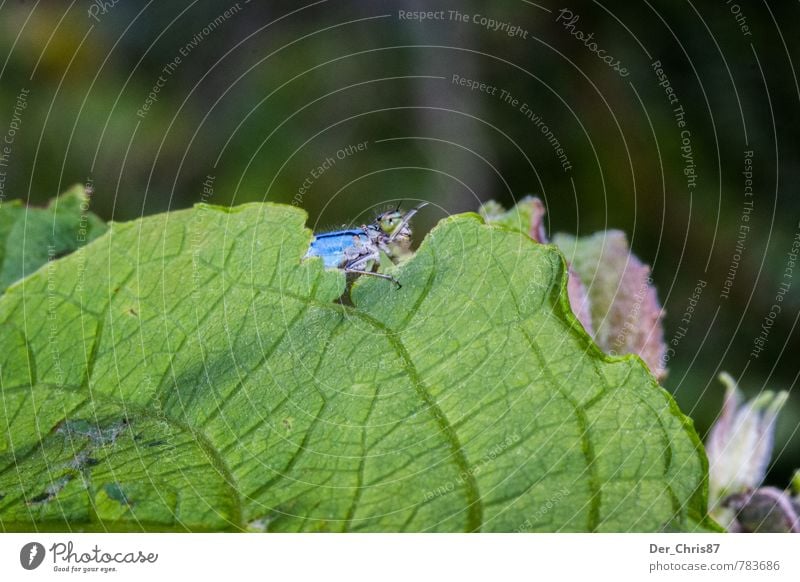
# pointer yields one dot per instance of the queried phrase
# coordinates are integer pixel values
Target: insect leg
(370, 273)
(358, 265)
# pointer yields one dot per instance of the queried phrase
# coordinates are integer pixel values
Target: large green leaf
(191, 371)
(29, 236)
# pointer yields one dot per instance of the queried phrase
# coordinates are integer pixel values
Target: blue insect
(358, 250)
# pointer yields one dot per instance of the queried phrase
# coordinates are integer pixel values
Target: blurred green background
(149, 100)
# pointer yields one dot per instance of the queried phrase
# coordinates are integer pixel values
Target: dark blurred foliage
(266, 94)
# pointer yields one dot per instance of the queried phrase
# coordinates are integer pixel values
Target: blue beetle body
(331, 246)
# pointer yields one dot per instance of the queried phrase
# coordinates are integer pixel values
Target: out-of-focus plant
(739, 448)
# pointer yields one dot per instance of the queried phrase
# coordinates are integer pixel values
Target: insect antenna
(406, 220)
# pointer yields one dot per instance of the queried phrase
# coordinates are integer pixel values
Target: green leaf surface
(29, 237)
(191, 371)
